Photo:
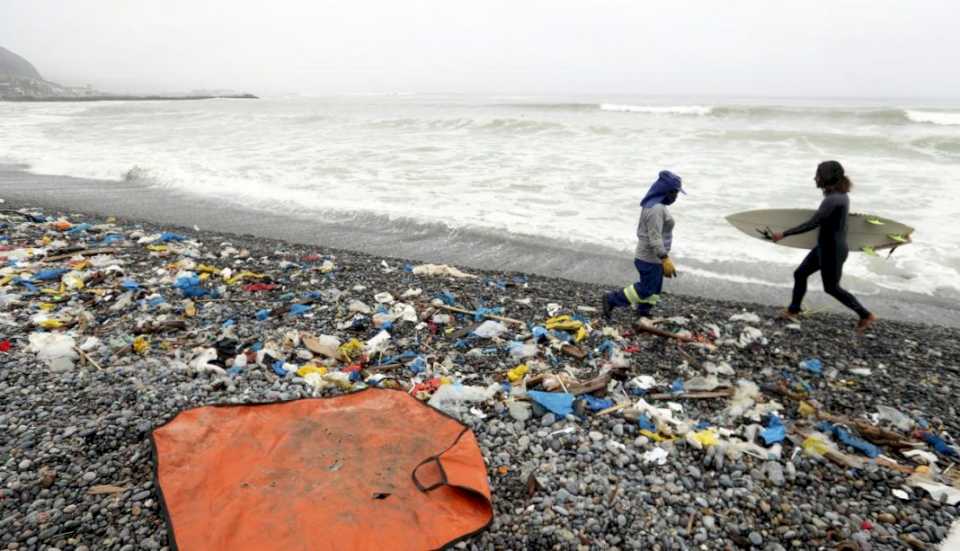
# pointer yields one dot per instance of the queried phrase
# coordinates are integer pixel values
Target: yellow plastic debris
(47, 306)
(157, 248)
(52, 324)
(706, 437)
(204, 276)
(581, 334)
(350, 350)
(654, 436)
(243, 276)
(6, 279)
(517, 373)
(445, 380)
(310, 368)
(141, 345)
(73, 280)
(814, 445)
(563, 323)
(207, 269)
(806, 410)
(190, 310)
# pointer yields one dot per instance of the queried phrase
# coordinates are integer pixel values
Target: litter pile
(714, 425)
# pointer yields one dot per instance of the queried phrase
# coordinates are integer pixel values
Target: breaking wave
(659, 109)
(945, 118)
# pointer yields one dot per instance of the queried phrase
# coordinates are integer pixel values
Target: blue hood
(666, 182)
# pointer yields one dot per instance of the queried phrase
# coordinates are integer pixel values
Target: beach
(78, 469)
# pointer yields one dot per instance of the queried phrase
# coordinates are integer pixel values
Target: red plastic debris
(632, 349)
(256, 287)
(427, 386)
(352, 368)
(312, 258)
(866, 525)
(5, 346)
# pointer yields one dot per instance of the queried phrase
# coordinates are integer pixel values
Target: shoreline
(437, 244)
(76, 429)
(48, 99)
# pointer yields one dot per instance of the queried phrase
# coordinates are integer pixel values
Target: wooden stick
(614, 409)
(696, 395)
(661, 333)
(87, 358)
(85, 252)
(491, 316)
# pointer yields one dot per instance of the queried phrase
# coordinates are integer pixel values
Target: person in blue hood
(652, 255)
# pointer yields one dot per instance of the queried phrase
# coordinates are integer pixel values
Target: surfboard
(865, 232)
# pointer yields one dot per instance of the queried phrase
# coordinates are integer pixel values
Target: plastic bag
(450, 399)
(490, 329)
(559, 403)
(54, 349)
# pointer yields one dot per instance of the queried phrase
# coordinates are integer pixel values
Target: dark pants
(643, 294)
(830, 265)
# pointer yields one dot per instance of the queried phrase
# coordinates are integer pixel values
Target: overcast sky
(868, 48)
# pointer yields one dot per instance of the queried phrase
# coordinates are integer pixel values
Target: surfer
(652, 255)
(831, 250)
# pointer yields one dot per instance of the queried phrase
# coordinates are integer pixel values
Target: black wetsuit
(829, 254)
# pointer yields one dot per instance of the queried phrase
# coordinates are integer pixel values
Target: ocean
(567, 173)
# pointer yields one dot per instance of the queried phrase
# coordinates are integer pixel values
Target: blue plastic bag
(940, 445)
(775, 432)
(167, 237)
(129, 284)
(299, 309)
(189, 287)
(843, 435)
(418, 365)
(262, 315)
(596, 404)
(813, 365)
(53, 274)
(79, 228)
(278, 368)
(645, 423)
(559, 403)
(677, 386)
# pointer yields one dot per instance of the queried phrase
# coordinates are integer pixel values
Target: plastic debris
(657, 456)
(441, 270)
(451, 398)
(54, 349)
(939, 492)
(560, 403)
(813, 365)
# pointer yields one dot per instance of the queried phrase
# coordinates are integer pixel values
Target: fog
(875, 48)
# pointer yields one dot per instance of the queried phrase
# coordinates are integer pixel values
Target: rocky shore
(714, 426)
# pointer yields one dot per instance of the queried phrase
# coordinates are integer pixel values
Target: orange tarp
(375, 469)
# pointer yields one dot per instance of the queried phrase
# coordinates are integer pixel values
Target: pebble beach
(133, 322)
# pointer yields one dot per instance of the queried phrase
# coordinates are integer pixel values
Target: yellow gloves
(669, 270)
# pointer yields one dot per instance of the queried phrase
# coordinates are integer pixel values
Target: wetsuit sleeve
(826, 207)
(653, 226)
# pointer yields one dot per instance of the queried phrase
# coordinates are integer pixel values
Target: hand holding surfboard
(865, 232)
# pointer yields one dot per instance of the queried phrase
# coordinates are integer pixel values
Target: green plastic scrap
(898, 237)
(869, 250)
(874, 220)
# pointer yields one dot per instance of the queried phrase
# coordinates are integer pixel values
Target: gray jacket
(654, 234)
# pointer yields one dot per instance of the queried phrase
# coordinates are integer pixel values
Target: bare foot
(866, 322)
